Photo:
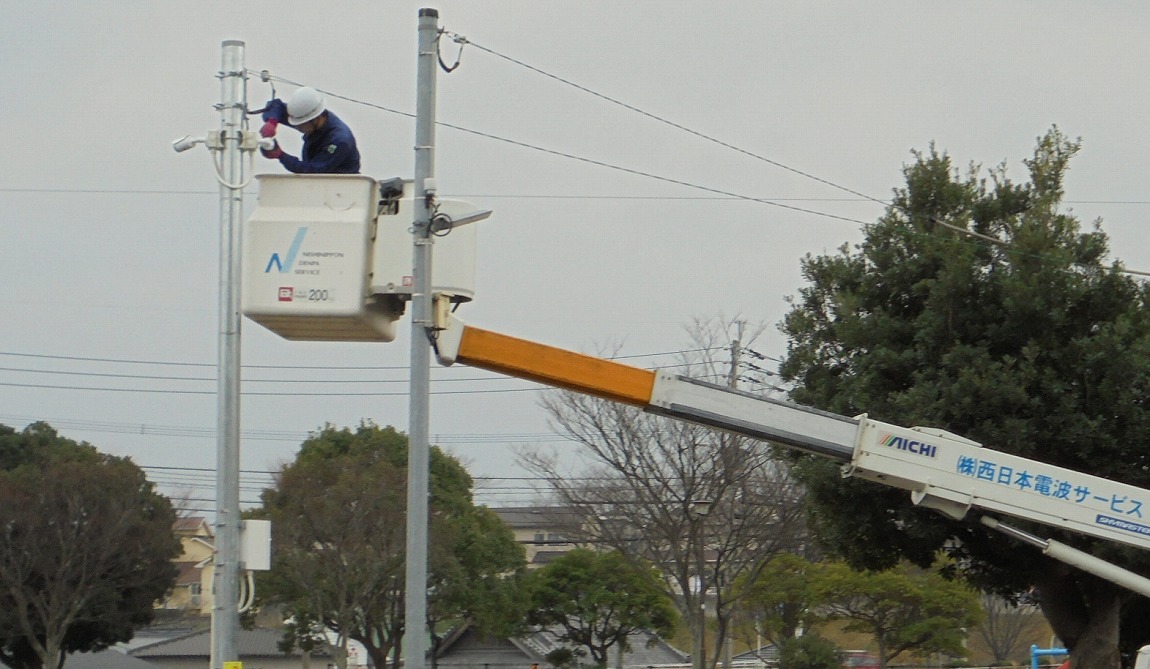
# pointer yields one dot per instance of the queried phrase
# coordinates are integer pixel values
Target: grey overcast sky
(110, 240)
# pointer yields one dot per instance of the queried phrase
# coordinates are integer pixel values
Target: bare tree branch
(705, 507)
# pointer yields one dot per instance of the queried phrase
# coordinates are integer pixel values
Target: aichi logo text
(910, 445)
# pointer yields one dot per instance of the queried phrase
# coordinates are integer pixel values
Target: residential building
(542, 530)
(193, 590)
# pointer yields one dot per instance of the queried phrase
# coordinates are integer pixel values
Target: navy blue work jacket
(329, 150)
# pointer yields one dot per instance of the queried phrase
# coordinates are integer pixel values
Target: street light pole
(226, 568)
(701, 631)
(697, 511)
(415, 604)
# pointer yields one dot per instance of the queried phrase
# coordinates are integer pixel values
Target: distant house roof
(105, 659)
(260, 642)
(148, 636)
(547, 557)
(768, 653)
(465, 647)
(522, 517)
(189, 573)
(192, 525)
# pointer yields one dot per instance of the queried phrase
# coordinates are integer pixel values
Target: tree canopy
(977, 305)
(338, 525)
(86, 548)
(778, 602)
(595, 600)
(905, 609)
(809, 651)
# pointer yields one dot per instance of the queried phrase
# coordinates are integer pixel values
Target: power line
(176, 363)
(665, 121)
(270, 473)
(212, 378)
(463, 438)
(294, 382)
(726, 144)
(514, 196)
(76, 358)
(110, 191)
(590, 161)
(246, 393)
(737, 149)
(648, 174)
(1009, 248)
(171, 391)
(270, 77)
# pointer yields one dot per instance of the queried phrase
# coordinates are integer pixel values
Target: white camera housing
(186, 142)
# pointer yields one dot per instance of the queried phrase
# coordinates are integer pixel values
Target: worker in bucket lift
(328, 145)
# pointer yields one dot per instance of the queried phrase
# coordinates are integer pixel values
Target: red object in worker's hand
(269, 129)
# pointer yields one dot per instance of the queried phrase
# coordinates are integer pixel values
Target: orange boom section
(555, 367)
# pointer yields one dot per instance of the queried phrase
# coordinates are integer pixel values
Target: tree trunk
(341, 653)
(52, 656)
(1097, 647)
(1084, 612)
(720, 654)
(377, 654)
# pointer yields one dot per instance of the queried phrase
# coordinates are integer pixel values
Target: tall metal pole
(225, 595)
(699, 638)
(697, 512)
(415, 641)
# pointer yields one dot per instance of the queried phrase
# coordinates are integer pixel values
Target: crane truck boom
(941, 470)
(327, 258)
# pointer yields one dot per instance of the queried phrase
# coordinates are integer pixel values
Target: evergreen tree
(594, 601)
(338, 527)
(979, 306)
(86, 548)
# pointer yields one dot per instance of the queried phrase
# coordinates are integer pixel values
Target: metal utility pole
(699, 634)
(225, 591)
(736, 355)
(697, 511)
(415, 641)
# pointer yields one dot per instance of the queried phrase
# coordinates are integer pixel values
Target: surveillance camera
(186, 142)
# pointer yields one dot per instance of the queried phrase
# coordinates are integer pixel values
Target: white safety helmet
(305, 104)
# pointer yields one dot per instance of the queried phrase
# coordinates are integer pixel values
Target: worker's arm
(330, 159)
(334, 152)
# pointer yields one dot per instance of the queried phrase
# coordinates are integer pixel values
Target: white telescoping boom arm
(942, 471)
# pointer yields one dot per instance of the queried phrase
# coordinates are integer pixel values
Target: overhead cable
(516, 196)
(293, 367)
(591, 161)
(741, 150)
(678, 126)
(153, 377)
(169, 391)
